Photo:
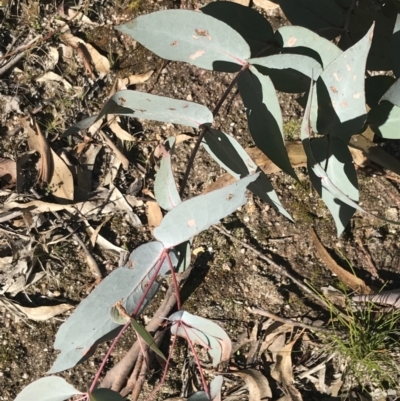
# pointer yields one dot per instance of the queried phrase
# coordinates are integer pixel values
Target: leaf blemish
(174, 43)
(197, 54)
(171, 108)
(357, 95)
(344, 104)
(191, 223)
(203, 32)
(336, 75)
(122, 100)
(229, 197)
(333, 88)
(348, 68)
(291, 41)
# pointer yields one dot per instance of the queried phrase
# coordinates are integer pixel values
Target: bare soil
(227, 278)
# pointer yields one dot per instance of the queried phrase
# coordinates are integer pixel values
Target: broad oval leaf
(264, 117)
(299, 37)
(250, 24)
(105, 394)
(203, 332)
(151, 107)
(233, 158)
(50, 388)
(195, 215)
(338, 106)
(165, 190)
(91, 324)
(189, 36)
(324, 17)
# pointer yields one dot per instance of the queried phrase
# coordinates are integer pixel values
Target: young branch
(204, 129)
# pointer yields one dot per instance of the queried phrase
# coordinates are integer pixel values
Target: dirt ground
(227, 278)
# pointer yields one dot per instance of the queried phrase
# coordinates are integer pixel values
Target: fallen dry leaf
(266, 4)
(88, 54)
(257, 384)
(52, 76)
(61, 183)
(346, 277)
(117, 130)
(42, 313)
(375, 153)
(8, 171)
(115, 149)
(245, 3)
(138, 78)
(154, 214)
(282, 370)
(37, 142)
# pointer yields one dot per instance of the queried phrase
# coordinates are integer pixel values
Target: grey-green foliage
(226, 34)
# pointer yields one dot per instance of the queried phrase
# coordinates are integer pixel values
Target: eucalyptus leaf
(338, 107)
(195, 215)
(76, 340)
(264, 117)
(233, 158)
(190, 36)
(393, 94)
(50, 388)
(105, 394)
(151, 107)
(203, 332)
(250, 24)
(304, 39)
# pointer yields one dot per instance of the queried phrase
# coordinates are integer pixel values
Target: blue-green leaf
(338, 107)
(151, 107)
(189, 36)
(393, 94)
(195, 215)
(128, 283)
(50, 388)
(105, 394)
(302, 38)
(303, 64)
(203, 332)
(384, 120)
(264, 117)
(233, 158)
(250, 24)
(165, 190)
(335, 154)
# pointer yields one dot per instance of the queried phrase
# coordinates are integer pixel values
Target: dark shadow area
(250, 24)
(263, 125)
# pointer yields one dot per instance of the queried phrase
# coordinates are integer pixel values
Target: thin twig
(204, 129)
(263, 312)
